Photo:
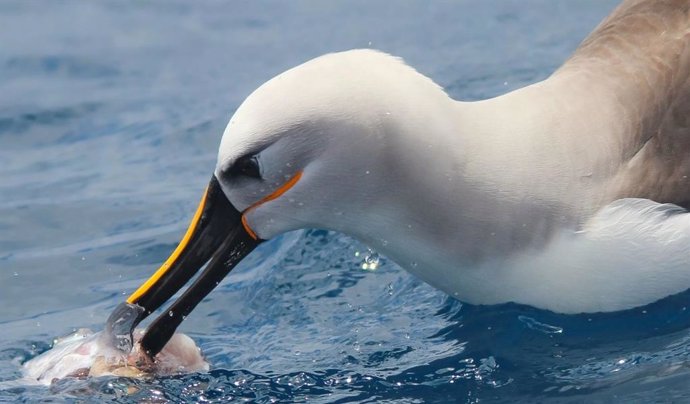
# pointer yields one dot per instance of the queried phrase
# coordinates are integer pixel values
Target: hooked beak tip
(216, 235)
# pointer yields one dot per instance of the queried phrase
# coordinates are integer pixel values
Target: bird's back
(640, 54)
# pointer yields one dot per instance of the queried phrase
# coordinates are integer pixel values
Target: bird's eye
(247, 166)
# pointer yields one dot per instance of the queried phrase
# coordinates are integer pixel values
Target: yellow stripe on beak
(173, 257)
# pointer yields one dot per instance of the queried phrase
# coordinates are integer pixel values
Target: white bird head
(327, 143)
(334, 144)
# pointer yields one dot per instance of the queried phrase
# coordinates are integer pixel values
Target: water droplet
(83, 258)
(15, 273)
(413, 264)
(170, 313)
(367, 172)
(371, 260)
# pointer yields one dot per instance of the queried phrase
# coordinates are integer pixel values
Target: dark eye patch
(245, 166)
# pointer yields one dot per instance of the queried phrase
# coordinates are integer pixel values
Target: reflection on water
(109, 122)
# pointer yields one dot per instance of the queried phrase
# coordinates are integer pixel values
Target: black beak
(217, 236)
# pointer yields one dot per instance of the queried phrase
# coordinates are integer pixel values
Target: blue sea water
(110, 117)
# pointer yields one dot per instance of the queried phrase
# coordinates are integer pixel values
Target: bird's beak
(217, 236)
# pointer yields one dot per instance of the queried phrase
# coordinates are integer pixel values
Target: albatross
(567, 195)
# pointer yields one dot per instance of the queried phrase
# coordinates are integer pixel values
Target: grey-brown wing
(641, 53)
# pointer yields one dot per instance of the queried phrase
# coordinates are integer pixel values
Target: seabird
(567, 195)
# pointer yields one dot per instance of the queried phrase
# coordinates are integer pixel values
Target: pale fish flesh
(88, 354)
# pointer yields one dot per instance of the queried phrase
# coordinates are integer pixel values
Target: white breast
(631, 253)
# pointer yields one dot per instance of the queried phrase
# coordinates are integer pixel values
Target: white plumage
(518, 198)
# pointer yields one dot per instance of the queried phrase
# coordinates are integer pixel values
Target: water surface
(110, 117)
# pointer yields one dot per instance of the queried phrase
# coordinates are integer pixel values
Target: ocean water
(110, 118)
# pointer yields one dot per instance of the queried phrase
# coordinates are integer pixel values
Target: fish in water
(85, 353)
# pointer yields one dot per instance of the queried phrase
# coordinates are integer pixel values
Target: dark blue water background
(110, 116)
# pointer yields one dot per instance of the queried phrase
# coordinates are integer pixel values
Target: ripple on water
(109, 124)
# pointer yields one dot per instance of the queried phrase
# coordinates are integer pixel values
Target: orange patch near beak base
(275, 194)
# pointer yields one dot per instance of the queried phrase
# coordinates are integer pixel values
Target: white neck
(509, 173)
(479, 199)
